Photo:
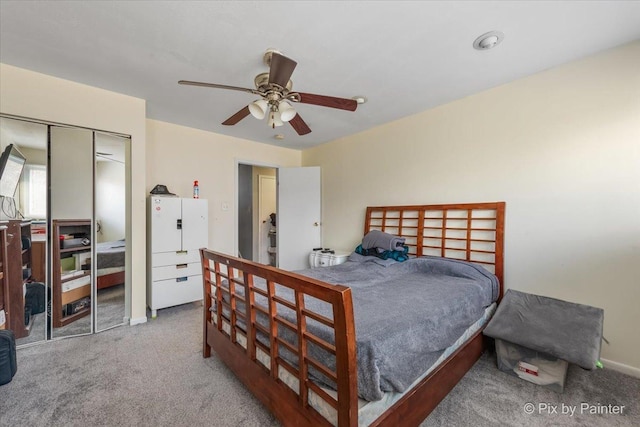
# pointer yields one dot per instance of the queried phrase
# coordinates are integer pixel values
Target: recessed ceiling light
(279, 136)
(359, 99)
(488, 40)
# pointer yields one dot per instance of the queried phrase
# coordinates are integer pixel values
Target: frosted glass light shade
(286, 111)
(258, 108)
(274, 119)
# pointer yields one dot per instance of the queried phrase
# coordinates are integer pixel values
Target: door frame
(261, 236)
(236, 191)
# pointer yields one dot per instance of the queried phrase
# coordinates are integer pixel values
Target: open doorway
(293, 196)
(257, 213)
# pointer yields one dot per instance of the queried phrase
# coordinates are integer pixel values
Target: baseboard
(138, 321)
(621, 367)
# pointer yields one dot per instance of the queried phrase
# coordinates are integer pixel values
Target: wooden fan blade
(217, 86)
(328, 101)
(281, 69)
(299, 125)
(237, 117)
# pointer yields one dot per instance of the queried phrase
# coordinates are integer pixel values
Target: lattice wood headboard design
(472, 232)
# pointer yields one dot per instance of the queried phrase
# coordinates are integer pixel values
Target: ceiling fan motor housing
(262, 83)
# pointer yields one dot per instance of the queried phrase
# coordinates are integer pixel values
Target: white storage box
(322, 258)
(531, 365)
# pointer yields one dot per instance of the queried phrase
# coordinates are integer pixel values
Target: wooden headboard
(472, 232)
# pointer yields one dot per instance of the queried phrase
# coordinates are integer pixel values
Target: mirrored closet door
(111, 154)
(64, 230)
(88, 220)
(23, 224)
(71, 195)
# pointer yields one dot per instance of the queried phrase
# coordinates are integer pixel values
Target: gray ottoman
(536, 336)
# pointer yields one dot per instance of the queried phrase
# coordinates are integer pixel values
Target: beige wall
(178, 155)
(28, 94)
(562, 148)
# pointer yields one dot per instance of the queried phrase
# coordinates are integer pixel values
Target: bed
(110, 259)
(291, 338)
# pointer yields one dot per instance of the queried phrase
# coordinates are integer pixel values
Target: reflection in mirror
(71, 162)
(23, 210)
(62, 267)
(110, 221)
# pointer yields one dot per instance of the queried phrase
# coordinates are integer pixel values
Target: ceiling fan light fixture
(287, 112)
(274, 119)
(258, 108)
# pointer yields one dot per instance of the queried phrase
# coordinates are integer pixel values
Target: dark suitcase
(8, 364)
(34, 297)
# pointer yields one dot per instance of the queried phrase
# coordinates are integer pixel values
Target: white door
(165, 212)
(266, 206)
(195, 227)
(298, 216)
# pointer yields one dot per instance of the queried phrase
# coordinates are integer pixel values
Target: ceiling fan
(276, 95)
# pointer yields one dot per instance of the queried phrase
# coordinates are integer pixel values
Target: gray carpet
(154, 375)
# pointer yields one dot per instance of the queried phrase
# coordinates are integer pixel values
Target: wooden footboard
(255, 350)
(250, 313)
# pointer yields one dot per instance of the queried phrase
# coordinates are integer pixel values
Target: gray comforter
(111, 254)
(405, 313)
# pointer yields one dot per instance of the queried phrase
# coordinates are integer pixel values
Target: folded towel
(385, 241)
(400, 256)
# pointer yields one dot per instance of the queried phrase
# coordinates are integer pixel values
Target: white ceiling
(405, 57)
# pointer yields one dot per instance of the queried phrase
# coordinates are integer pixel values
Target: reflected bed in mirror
(111, 258)
(110, 221)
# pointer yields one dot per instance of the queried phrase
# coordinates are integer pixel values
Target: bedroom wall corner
(38, 96)
(560, 147)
